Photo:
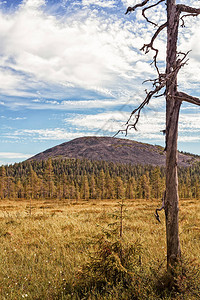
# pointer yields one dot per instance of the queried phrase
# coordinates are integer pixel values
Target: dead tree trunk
(172, 116)
(174, 98)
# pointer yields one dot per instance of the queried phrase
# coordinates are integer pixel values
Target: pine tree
(119, 188)
(85, 188)
(93, 187)
(109, 187)
(49, 179)
(102, 184)
(65, 187)
(131, 188)
(188, 185)
(32, 183)
(156, 183)
(2, 182)
(144, 186)
(19, 190)
(196, 193)
(72, 191)
(77, 191)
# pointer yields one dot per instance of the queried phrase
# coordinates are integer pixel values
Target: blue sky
(73, 68)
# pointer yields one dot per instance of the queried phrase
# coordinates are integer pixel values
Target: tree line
(77, 179)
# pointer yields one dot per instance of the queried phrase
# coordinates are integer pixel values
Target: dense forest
(84, 179)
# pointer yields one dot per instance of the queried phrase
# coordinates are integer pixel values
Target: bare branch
(161, 95)
(139, 108)
(185, 97)
(130, 9)
(149, 46)
(143, 12)
(188, 9)
(158, 84)
(184, 16)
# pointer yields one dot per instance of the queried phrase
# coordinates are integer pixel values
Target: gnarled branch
(191, 12)
(143, 12)
(187, 15)
(158, 84)
(185, 97)
(139, 108)
(146, 47)
(130, 9)
(188, 9)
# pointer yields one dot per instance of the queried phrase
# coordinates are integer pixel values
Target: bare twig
(162, 79)
(188, 15)
(158, 84)
(143, 12)
(130, 9)
(147, 47)
(138, 110)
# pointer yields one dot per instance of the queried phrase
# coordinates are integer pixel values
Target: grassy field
(62, 250)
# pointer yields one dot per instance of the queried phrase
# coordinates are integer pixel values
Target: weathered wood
(187, 98)
(172, 116)
(174, 99)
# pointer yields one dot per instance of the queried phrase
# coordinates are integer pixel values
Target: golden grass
(42, 251)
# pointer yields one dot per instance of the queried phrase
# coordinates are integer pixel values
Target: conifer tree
(2, 182)
(188, 185)
(93, 187)
(119, 188)
(131, 188)
(144, 186)
(196, 189)
(85, 193)
(102, 184)
(156, 183)
(77, 191)
(49, 179)
(19, 190)
(109, 187)
(32, 183)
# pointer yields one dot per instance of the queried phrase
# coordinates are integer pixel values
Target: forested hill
(113, 150)
(76, 179)
(97, 168)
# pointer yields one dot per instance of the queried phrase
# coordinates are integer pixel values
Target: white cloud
(149, 125)
(130, 2)
(84, 51)
(33, 4)
(9, 155)
(13, 118)
(89, 51)
(44, 58)
(102, 3)
(44, 134)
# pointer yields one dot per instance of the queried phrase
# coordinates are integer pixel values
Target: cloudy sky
(72, 68)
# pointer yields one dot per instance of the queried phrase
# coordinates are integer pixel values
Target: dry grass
(40, 255)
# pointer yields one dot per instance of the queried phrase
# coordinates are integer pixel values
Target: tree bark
(172, 116)
(174, 99)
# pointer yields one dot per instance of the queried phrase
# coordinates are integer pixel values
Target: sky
(74, 68)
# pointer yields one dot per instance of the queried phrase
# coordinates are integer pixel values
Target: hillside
(113, 150)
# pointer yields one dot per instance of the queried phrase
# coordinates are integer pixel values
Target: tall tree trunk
(172, 115)
(173, 103)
